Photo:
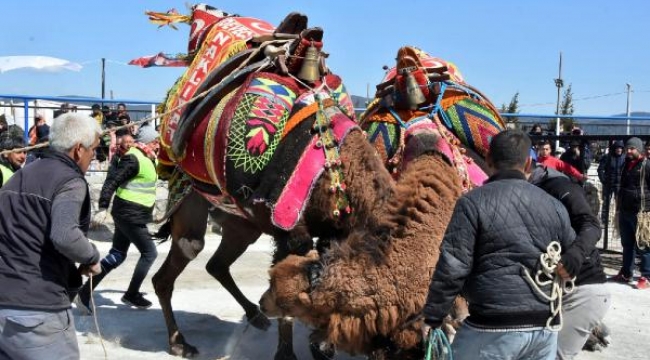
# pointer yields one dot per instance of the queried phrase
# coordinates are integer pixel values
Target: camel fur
(374, 284)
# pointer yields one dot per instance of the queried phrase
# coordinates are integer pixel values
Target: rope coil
(438, 346)
(548, 265)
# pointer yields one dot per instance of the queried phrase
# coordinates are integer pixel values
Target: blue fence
(77, 100)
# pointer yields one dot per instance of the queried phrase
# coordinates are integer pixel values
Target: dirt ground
(211, 320)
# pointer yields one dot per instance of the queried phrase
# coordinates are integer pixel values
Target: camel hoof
(259, 320)
(322, 350)
(185, 350)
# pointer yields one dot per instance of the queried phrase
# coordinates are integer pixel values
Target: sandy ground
(211, 320)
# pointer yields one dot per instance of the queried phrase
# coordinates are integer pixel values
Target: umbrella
(44, 63)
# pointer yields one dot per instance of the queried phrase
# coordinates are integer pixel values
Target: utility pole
(627, 112)
(103, 78)
(559, 83)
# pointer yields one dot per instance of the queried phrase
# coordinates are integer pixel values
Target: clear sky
(501, 46)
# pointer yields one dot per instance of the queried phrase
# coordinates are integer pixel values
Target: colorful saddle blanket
(258, 146)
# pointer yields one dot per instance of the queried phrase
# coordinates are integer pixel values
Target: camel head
(291, 281)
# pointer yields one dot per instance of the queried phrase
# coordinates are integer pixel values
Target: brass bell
(310, 65)
(414, 95)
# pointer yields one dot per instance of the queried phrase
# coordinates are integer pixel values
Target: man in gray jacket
(497, 231)
(44, 217)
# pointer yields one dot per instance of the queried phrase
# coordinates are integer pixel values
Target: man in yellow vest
(10, 162)
(134, 186)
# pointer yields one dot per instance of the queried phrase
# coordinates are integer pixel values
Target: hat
(618, 144)
(10, 141)
(96, 107)
(147, 134)
(634, 142)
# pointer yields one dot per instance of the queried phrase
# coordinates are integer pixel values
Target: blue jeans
(36, 335)
(627, 227)
(471, 343)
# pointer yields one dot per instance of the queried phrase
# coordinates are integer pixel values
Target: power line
(585, 98)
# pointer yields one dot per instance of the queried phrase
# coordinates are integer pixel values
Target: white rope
(559, 286)
(94, 310)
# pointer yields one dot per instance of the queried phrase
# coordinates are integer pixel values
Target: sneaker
(620, 278)
(83, 305)
(136, 300)
(642, 283)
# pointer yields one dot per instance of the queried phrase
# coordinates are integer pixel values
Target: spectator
(39, 153)
(578, 156)
(134, 183)
(42, 236)
(63, 109)
(647, 149)
(629, 204)
(121, 111)
(97, 115)
(109, 115)
(10, 162)
(121, 121)
(536, 130)
(609, 174)
(544, 157)
(3, 123)
(495, 230)
(587, 305)
(123, 144)
(39, 130)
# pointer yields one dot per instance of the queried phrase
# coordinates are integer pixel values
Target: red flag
(159, 60)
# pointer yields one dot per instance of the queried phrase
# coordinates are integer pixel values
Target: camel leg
(285, 340)
(237, 235)
(188, 231)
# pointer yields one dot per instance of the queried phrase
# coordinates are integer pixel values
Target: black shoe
(136, 300)
(83, 303)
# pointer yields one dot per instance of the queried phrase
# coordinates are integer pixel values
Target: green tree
(512, 108)
(566, 108)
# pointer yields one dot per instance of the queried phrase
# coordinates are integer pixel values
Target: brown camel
(368, 185)
(366, 293)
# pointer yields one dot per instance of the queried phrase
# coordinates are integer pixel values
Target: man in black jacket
(585, 307)
(609, 174)
(629, 204)
(134, 183)
(497, 231)
(44, 217)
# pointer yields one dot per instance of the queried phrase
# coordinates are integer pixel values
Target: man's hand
(425, 331)
(561, 271)
(99, 219)
(90, 269)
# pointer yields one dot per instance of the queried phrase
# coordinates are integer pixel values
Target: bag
(643, 217)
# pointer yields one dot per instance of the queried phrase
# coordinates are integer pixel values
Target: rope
(548, 264)
(643, 228)
(92, 304)
(437, 346)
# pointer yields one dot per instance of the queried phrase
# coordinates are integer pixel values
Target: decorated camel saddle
(424, 93)
(257, 117)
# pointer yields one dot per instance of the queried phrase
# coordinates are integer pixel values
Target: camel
(365, 294)
(215, 164)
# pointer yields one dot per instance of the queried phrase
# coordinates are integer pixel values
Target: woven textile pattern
(473, 123)
(258, 123)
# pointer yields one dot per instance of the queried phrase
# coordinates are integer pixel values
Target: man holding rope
(44, 217)
(498, 232)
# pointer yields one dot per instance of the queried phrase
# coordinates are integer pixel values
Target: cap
(634, 142)
(96, 107)
(618, 144)
(147, 134)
